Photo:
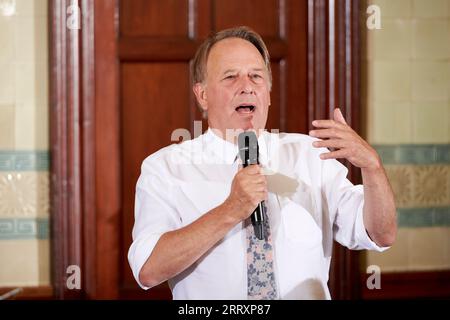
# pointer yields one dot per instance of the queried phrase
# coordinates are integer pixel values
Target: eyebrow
(234, 70)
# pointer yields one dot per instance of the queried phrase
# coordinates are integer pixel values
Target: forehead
(233, 53)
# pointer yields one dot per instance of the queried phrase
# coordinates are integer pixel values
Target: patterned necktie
(261, 283)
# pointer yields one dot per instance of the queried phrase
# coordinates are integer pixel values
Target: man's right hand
(248, 189)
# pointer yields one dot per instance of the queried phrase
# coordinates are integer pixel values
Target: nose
(245, 86)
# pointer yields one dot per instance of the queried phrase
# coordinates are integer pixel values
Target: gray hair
(198, 66)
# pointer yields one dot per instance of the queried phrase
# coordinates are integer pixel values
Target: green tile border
(24, 228)
(414, 153)
(28, 228)
(423, 217)
(24, 160)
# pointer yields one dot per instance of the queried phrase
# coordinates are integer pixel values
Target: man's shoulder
(172, 153)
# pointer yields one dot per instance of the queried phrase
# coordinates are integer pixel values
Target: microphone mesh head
(252, 145)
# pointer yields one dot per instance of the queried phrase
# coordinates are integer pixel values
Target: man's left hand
(346, 142)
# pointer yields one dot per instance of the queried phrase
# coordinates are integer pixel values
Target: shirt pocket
(197, 198)
(299, 224)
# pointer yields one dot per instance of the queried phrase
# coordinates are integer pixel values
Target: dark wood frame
(84, 217)
(333, 81)
(85, 139)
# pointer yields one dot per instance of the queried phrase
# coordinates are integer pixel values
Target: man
(191, 224)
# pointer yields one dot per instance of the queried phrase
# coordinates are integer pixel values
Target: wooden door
(156, 43)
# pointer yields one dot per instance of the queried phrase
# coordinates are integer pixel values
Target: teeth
(246, 108)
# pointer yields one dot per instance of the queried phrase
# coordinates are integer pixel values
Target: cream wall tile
(7, 133)
(31, 39)
(395, 258)
(430, 81)
(430, 9)
(6, 39)
(426, 249)
(431, 122)
(32, 131)
(31, 84)
(431, 39)
(20, 263)
(391, 122)
(447, 247)
(44, 262)
(31, 8)
(393, 9)
(392, 41)
(24, 194)
(7, 92)
(390, 81)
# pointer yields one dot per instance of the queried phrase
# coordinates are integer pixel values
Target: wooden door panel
(262, 15)
(273, 120)
(156, 18)
(155, 101)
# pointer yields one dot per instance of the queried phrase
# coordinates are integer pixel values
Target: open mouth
(245, 109)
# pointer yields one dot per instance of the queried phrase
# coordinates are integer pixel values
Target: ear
(200, 93)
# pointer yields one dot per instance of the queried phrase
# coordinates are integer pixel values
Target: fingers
(331, 143)
(328, 124)
(338, 121)
(334, 155)
(338, 116)
(253, 169)
(327, 133)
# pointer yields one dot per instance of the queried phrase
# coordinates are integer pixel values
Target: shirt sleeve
(155, 214)
(345, 204)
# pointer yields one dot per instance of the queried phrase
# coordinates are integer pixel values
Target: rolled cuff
(362, 237)
(139, 253)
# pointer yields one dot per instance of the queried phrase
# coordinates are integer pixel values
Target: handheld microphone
(249, 154)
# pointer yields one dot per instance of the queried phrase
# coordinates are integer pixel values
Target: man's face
(236, 91)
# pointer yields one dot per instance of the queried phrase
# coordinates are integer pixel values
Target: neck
(231, 135)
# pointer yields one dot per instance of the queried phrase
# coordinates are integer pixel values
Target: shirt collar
(227, 151)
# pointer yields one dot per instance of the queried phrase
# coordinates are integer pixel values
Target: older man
(191, 217)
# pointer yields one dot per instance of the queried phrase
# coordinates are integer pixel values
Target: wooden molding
(333, 81)
(29, 293)
(65, 144)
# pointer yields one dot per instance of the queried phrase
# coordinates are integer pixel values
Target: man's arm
(379, 205)
(177, 250)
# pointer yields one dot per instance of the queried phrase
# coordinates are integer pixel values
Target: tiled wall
(24, 160)
(407, 72)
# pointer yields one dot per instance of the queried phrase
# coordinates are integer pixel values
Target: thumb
(338, 116)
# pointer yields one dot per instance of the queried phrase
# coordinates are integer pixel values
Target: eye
(256, 76)
(230, 77)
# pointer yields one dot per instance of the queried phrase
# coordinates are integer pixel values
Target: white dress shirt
(310, 203)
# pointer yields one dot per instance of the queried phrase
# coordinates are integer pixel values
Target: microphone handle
(258, 217)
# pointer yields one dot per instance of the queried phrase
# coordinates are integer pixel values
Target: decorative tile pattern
(420, 186)
(24, 161)
(24, 194)
(401, 178)
(431, 185)
(24, 229)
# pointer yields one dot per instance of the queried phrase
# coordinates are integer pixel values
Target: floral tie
(261, 283)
